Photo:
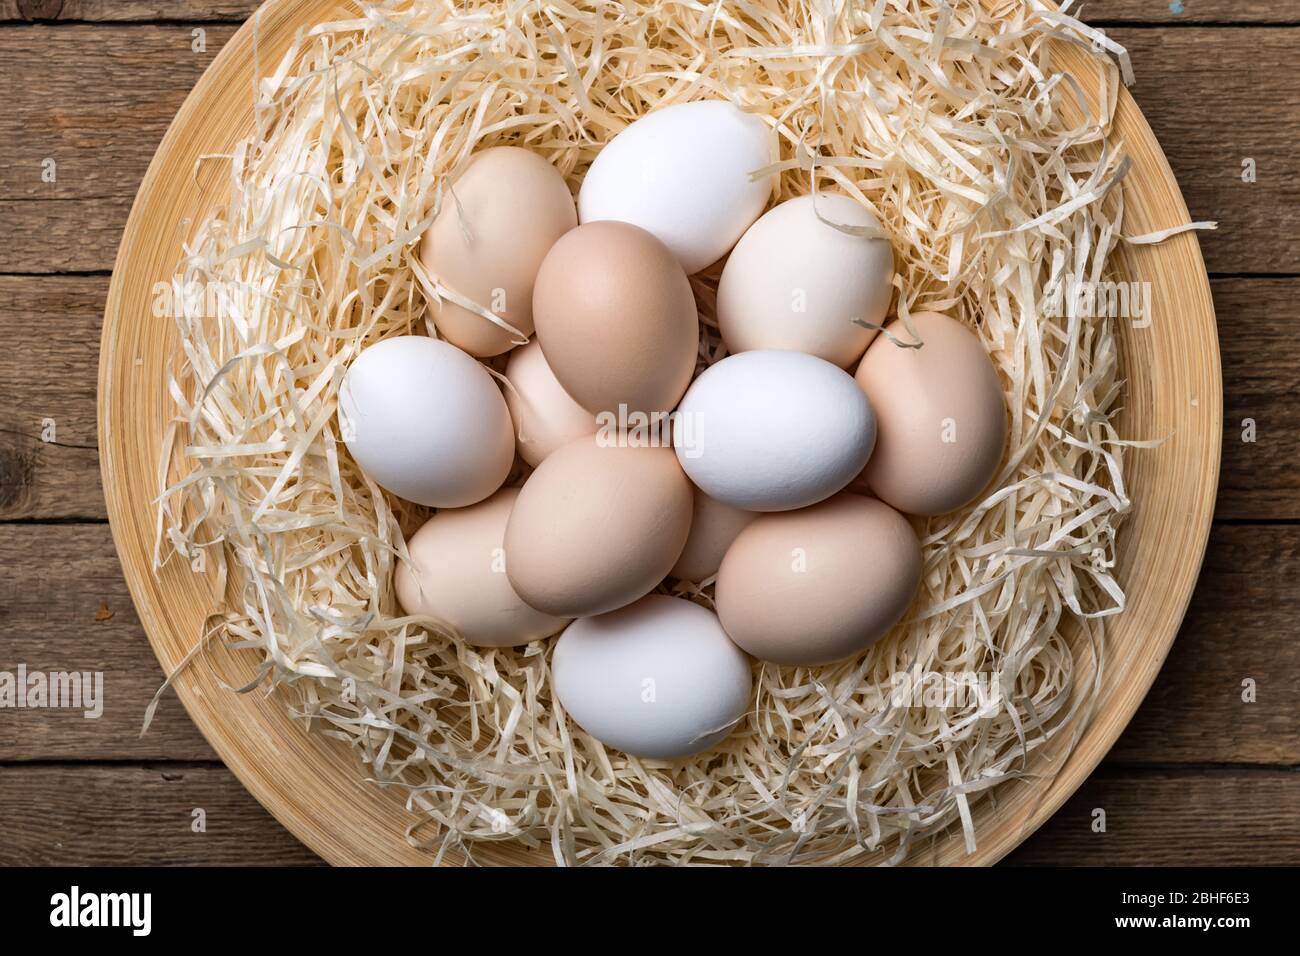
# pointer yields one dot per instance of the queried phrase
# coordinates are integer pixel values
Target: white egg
(795, 282)
(426, 422)
(773, 430)
(658, 678)
(682, 173)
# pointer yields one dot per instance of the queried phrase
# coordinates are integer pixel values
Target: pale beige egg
(457, 575)
(941, 417)
(714, 525)
(545, 415)
(818, 585)
(616, 319)
(597, 527)
(496, 224)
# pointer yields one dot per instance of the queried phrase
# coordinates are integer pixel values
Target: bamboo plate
(315, 786)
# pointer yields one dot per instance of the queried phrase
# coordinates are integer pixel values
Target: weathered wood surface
(1172, 818)
(97, 99)
(1244, 624)
(1199, 776)
(68, 815)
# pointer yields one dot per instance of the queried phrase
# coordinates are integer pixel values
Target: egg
(495, 225)
(616, 319)
(818, 585)
(941, 414)
(658, 679)
(457, 575)
(596, 527)
(427, 422)
(714, 526)
(545, 415)
(772, 430)
(795, 282)
(683, 173)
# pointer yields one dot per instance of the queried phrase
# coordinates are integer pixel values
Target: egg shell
(714, 525)
(457, 575)
(795, 282)
(816, 586)
(545, 415)
(658, 679)
(683, 173)
(427, 422)
(616, 319)
(495, 225)
(596, 527)
(941, 414)
(772, 430)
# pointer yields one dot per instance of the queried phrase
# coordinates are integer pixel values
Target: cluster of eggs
(775, 470)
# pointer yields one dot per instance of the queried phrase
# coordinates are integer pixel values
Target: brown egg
(545, 415)
(819, 584)
(616, 318)
(495, 226)
(597, 527)
(457, 575)
(941, 417)
(714, 525)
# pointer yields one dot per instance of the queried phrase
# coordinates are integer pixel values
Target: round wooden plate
(315, 786)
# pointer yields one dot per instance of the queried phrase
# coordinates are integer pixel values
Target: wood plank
(48, 372)
(1244, 623)
(1259, 342)
(1215, 99)
(135, 816)
(107, 93)
(96, 101)
(58, 579)
(127, 10)
(129, 815)
(1169, 818)
(48, 375)
(1096, 11)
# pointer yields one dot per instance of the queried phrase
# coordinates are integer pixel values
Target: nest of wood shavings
(993, 181)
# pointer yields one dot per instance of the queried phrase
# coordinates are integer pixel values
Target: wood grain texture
(55, 815)
(1226, 817)
(125, 11)
(49, 462)
(106, 94)
(1244, 622)
(57, 580)
(83, 816)
(52, 324)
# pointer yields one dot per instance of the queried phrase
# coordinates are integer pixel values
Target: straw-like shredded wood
(995, 183)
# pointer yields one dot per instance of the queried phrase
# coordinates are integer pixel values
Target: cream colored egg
(796, 282)
(597, 527)
(714, 525)
(457, 575)
(545, 415)
(616, 319)
(496, 224)
(818, 585)
(941, 417)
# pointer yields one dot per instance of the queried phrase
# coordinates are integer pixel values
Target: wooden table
(87, 88)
